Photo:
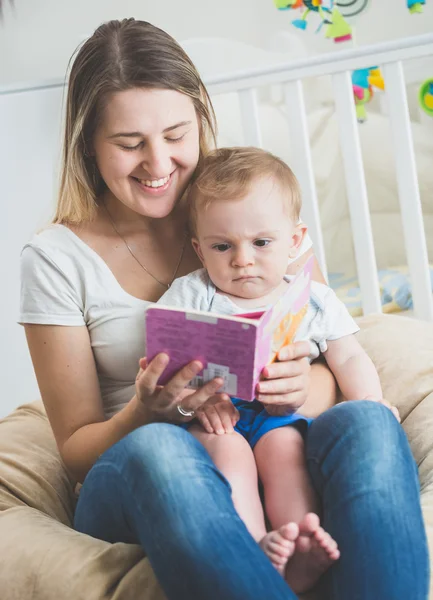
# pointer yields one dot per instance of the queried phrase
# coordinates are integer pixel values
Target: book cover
(236, 347)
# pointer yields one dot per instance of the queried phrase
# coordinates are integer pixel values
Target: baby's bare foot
(315, 551)
(279, 545)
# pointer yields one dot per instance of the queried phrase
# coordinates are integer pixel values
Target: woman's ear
(298, 236)
(196, 246)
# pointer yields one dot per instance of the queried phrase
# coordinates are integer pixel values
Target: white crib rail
(357, 193)
(250, 117)
(407, 180)
(303, 166)
(389, 56)
(326, 64)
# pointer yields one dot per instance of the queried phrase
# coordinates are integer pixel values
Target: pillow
(41, 556)
(31, 471)
(42, 559)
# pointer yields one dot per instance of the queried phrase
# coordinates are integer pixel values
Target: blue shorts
(254, 421)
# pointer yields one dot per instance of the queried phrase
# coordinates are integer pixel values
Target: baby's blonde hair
(229, 173)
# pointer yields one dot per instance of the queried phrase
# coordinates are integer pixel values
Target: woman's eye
(130, 148)
(262, 243)
(221, 247)
(175, 140)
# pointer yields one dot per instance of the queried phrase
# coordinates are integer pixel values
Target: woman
(138, 120)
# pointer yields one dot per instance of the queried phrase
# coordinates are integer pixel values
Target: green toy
(425, 97)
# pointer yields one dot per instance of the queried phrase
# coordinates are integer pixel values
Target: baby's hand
(218, 415)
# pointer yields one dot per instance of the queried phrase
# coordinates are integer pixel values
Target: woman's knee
(156, 450)
(362, 428)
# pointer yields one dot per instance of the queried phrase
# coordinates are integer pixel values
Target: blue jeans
(158, 487)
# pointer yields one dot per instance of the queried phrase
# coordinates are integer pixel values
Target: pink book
(236, 347)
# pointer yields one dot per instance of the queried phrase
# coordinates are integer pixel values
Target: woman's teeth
(155, 183)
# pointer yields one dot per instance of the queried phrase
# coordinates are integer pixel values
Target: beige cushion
(42, 558)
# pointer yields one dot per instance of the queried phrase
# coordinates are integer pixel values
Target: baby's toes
(328, 545)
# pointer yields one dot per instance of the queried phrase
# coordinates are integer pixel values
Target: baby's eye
(221, 247)
(262, 243)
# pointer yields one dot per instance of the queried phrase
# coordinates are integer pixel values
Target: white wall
(38, 37)
(27, 172)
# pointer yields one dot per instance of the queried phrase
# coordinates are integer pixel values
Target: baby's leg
(290, 497)
(281, 463)
(233, 456)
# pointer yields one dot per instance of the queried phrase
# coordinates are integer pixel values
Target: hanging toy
(415, 6)
(312, 6)
(363, 82)
(425, 97)
(337, 28)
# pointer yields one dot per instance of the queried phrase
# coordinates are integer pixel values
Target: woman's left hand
(285, 383)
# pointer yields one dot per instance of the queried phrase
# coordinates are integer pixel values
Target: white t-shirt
(65, 282)
(327, 317)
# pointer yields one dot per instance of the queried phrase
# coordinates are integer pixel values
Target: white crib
(389, 56)
(30, 118)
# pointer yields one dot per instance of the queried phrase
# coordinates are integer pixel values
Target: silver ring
(185, 413)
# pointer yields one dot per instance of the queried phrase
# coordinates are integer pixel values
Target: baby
(245, 220)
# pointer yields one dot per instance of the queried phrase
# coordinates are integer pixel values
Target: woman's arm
(66, 374)
(67, 378)
(323, 392)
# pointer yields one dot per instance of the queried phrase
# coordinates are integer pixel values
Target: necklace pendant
(168, 285)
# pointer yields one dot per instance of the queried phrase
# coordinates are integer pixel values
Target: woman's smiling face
(147, 147)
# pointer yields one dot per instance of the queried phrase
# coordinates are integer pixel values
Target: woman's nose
(157, 161)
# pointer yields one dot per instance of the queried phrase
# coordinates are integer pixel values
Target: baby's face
(245, 244)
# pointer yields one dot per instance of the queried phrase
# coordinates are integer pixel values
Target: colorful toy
(363, 82)
(425, 94)
(415, 6)
(337, 27)
(425, 97)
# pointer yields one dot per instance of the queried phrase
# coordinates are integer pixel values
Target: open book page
(225, 345)
(279, 325)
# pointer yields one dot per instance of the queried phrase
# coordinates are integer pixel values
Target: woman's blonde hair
(229, 173)
(119, 56)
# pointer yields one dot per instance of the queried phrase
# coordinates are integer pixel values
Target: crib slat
(408, 191)
(303, 166)
(357, 193)
(250, 117)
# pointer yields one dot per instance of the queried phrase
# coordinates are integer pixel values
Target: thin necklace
(167, 285)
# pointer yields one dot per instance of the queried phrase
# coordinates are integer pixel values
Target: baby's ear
(196, 246)
(298, 236)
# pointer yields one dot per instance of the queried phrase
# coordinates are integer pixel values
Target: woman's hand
(284, 387)
(218, 415)
(160, 403)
